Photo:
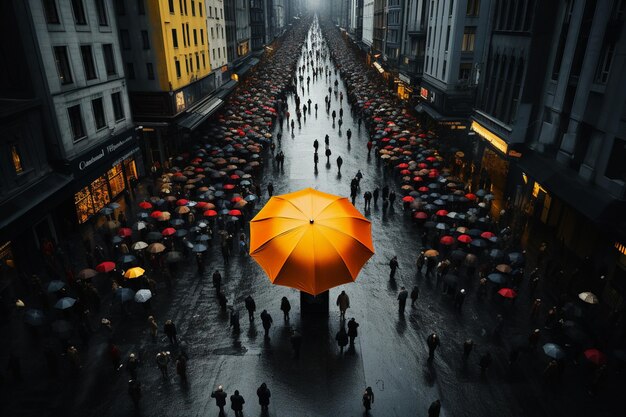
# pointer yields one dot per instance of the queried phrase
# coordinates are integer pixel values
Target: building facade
(368, 23)
(216, 33)
(257, 24)
(242, 25)
(413, 48)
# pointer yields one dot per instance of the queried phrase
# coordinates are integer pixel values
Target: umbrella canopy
(431, 253)
(156, 248)
(87, 273)
(55, 285)
(588, 297)
(553, 351)
(34, 317)
(310, 240)
(135, 272)
(106, 266)
(504, 268)
(507, 292)
(140, 245)
(65, 303)
(124, 294)
(595, 356)
(496, 278)
(173, 257)
(142, 296)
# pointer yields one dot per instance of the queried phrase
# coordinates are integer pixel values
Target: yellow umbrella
(310, 240)
(135, 272)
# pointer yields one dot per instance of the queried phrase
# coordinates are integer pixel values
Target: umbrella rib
(294, 206)
(268, 241)
(346, 234)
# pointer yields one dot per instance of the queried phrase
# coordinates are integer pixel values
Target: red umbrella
(405, 172)
(422, 135)
(168, 231)
(422, 165)
(442, 213)
(234, 213)
(470, 196)
(182, 202)
(229, 186)
(210, 213)
(234, 177)
(420, 215)
(433, 174)
(423, 189)
(201, 204)
(125, 232)
(402, 165)
(446, 240)
(106, 266)
(145, 205)
(407, 199)
(595, 356)
(487, 235)
(235, 199)
(507, 292)
(156, 214)
(464, 239)
(418, 179)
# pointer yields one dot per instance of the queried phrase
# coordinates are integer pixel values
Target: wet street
(391, 352)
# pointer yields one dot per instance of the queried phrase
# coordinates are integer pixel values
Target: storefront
(106, 174)
(403, 86)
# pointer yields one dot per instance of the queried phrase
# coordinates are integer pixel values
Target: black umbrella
(457, 255)
(154, 236)
(496, 278)
(199, 248)
(451, 279)
(572, 311)
(173, 256)
(574, 332)
(126, 259)
(181, 233)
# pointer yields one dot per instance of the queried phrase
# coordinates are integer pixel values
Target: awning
(194, 118)
(22, 209)
(593, 202)
(379, 67)
(226, 88)
(424, 108)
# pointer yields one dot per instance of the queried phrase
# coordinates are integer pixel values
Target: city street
(391, 354)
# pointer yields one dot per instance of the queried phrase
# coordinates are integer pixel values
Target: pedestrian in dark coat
(251, 307)
(170, 330)
(467, 349)
(342, 339)
(339, 164)
(434, 409)
(343, 301)
(459, 298)
(392, 197)
(402, 296)
(220, 398)
(270, 189)
(375, 194)
(367, 196)
(181, 367)
(385, 192)
(285, 306)
(352, 330)
(267, 321)
(485, 363)
(236, 403)
(393, 266)
(296, 342)
(433, 342)
(328, 153)
(134, 391)
(264, 394)
(234, 320)
(132, 364)
(316, 145)
(414, 294)
(221, 298)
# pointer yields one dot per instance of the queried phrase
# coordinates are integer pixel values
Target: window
(63, 65)
(200, 8)
(473, 7)
(203, 61)
(443, 71)
(185, 4)
(177, 64)
(76, 122)
(50, 9)
(190, 63)
(465, 70)
(17, 160)
(195, 37)
(101, 8)
(125, 38)
(141, 7)
(150, 71)
(212, 35)
(187, 65)
(193, 8)
(109, 60)
(556, 67)
(90, 68)
(145, 39)
(197, 61)
(187, 33)
(98, 113)
(202, 36)
(120, 8)
(451, 8)
(171, 4)
(214, 54)
(604, 63)
(118, 106)
(174, 38)
(210, 12)
(180, 5)
(469, 36)
(130, 71)
(79, 12)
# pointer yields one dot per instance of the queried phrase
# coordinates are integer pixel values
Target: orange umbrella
(310, 240)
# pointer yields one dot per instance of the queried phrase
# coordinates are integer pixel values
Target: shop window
(16, 159)
(63, 65)
(91, 199)
(51, 12)
(116, 180)
(131, 169)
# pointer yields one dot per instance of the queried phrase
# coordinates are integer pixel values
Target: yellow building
(168, 70)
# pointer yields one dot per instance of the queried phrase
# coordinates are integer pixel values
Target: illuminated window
(116, 180)
(17, 160)
(469, 36)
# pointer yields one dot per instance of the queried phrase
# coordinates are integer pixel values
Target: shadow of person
(392, 284)
(429, 373)
(327, 165)
(339, 175)
(401, 323)
(252, 332)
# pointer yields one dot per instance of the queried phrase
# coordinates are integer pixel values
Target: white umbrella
(588, 297)
(142, 296)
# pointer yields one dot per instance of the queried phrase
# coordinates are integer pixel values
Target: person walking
(402, 296)
(349, 134)
(132, 365)
(352, 331)
(316, 159)
(296, 343)
(250, 306)
(285, 306)
(170, 330)
(468, 346)
(375, 194)
(367, 196)
(533, 339)
(433, 342)
(270, 189)
(459, 298)
(339, 163)
(485, 363)
(162, 359)
(181, 367)
(267, 321)
(343, 301)
(392, 198)
(415, 292)
(367, 402)
(234, 320)
(434, 409)
(264, 394)
(236, 403)
(370, 145)
(153, 328)
(342, 339)
(134, 391)
(316, 145)
(220, 398)
(328, 153)
(385, 192)
(393, 266)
